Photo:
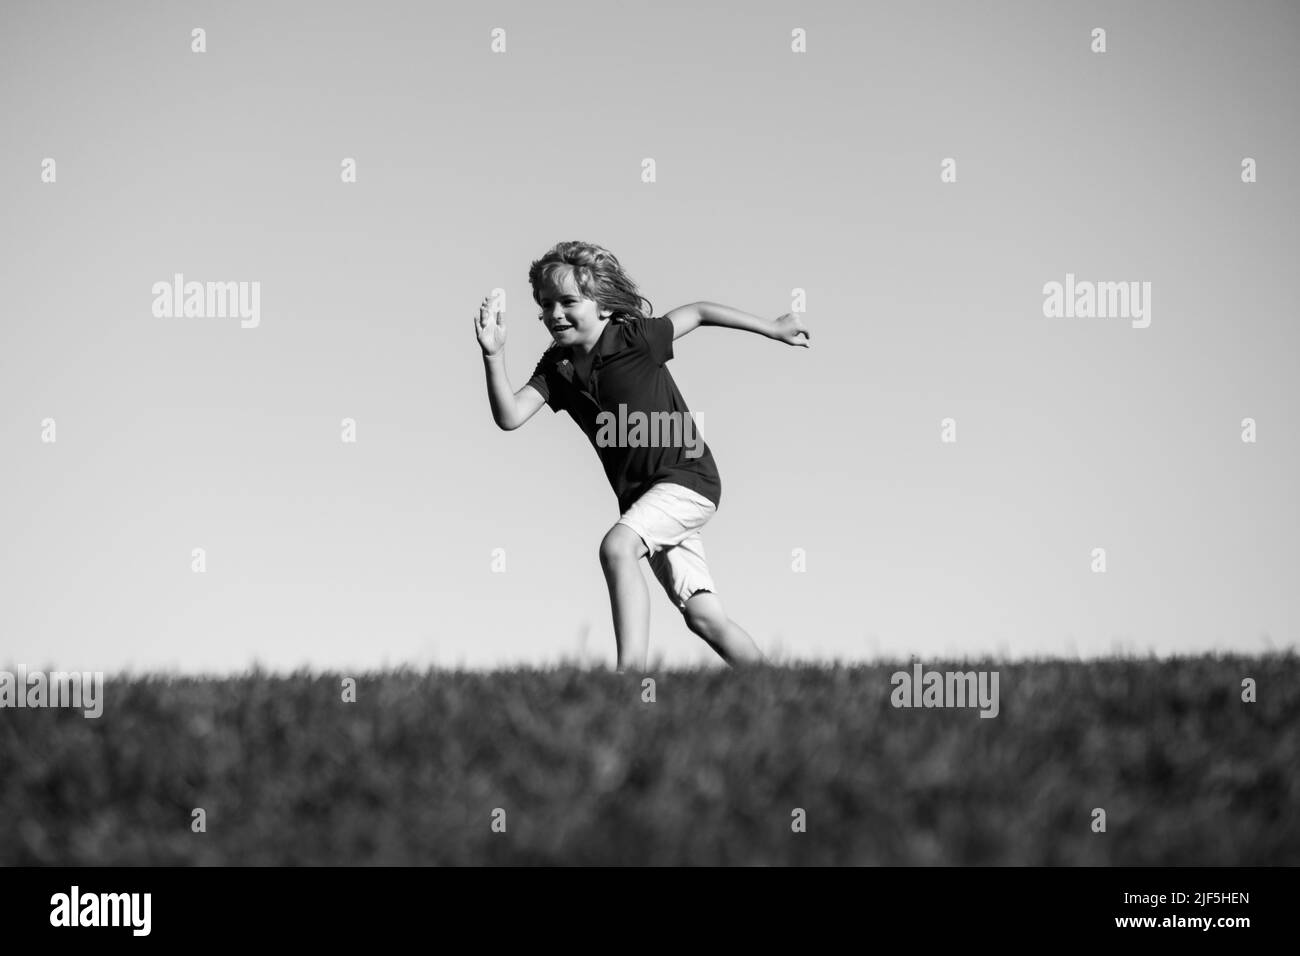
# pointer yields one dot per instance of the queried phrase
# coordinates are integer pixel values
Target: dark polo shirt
(628, 369)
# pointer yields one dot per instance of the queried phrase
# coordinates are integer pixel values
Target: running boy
(606, 369)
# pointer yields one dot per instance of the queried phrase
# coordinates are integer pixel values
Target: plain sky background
(775, 170)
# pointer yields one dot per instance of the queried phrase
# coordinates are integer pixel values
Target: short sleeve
(544, 380)
(656, 333)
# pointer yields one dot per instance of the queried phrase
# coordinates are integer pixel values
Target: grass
(709, 773)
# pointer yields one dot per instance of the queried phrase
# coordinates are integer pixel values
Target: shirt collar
(606, 344)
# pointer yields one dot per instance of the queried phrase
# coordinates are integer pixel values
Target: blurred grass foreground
(572, 766)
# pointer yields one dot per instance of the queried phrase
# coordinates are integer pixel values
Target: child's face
(571, 318)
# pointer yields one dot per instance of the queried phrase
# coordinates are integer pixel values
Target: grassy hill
(710, 772)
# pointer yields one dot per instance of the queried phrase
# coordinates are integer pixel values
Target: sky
(921, 171)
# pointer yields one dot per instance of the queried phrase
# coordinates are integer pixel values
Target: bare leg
(621, 552)
(706, 618)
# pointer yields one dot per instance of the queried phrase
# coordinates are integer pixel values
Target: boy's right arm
(509, 410)
(528, 401)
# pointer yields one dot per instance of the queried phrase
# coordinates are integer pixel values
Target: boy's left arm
(787, 328)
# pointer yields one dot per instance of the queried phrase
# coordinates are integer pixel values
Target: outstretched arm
(786, 328)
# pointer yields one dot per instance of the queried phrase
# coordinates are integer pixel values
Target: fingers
(791, 318)
(483, 321)
(488, 313)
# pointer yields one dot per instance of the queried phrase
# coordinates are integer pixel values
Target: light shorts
(668, 518)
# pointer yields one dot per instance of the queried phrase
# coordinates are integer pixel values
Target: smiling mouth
(561, 328)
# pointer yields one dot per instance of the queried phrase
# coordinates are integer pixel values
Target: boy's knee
(621, 543)
(704, 614)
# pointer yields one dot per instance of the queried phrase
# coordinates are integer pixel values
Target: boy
(607, 365)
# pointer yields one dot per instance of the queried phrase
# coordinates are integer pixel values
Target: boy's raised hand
(490, 327)
(790, 330)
